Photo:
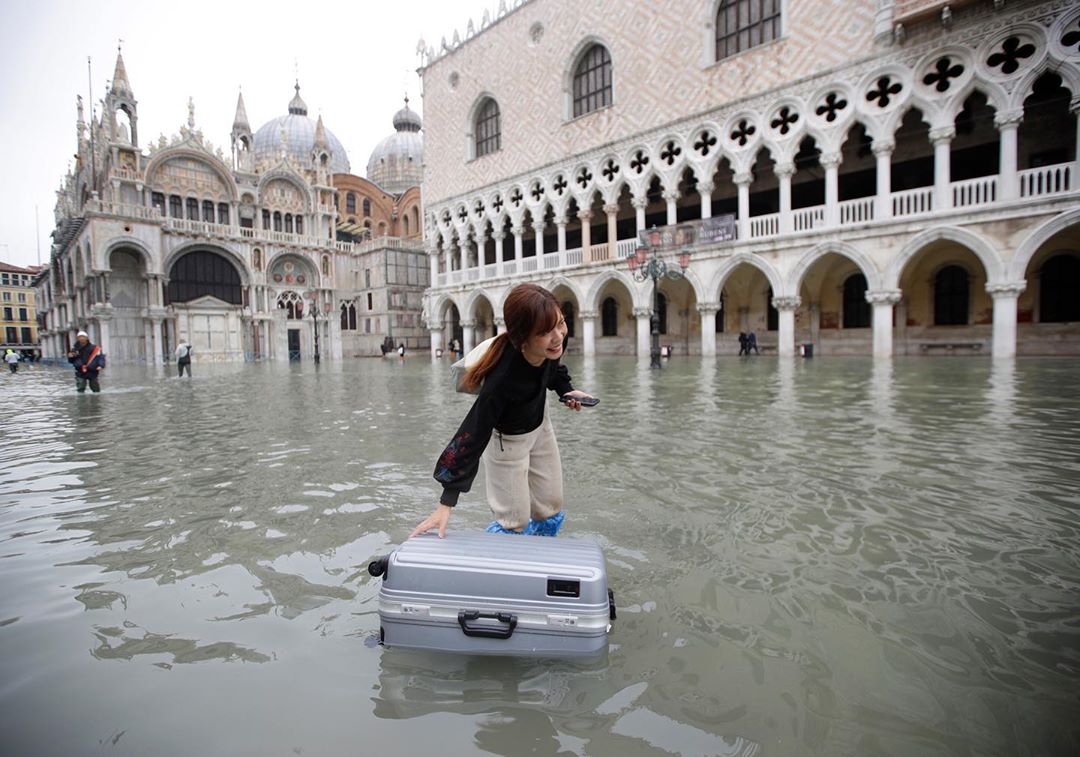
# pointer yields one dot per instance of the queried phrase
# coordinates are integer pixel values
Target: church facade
(246, 256)
(865, 176)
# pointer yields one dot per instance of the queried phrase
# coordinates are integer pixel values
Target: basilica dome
(396, 162)
(300, 133)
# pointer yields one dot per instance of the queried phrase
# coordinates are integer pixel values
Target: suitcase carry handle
(487, 632)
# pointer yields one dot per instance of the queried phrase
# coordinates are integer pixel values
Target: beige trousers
(523, 476)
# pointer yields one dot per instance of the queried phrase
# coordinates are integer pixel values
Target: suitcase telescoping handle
(485, 631)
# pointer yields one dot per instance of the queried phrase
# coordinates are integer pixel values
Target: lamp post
(645, 263)
(313, 296)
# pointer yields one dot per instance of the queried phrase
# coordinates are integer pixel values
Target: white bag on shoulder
(458, 369)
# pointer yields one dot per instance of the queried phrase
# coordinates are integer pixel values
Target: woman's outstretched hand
(573, 397)
(437, 519)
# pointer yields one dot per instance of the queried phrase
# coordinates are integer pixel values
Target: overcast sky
(356, 59)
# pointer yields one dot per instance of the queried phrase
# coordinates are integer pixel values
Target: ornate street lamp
(645, 263)
(313, 296)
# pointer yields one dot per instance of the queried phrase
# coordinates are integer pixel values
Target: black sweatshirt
(511, 401)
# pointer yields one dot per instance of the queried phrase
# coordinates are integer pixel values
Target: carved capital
(639, 203)
(830, 160)
(560, 220)
(787, 303)
(584, 215)
(468, 324)
(500, 323)
(640, 313)
(883, 296)
(1006, 289)
(743, 179)
(671, 195)
(705, 187)
(611, 208)
(589, 315)
(517, 229)
(784, 170)
(942, 135)
(1009, 119)
(883, 147)
(539, 227)
(708, 308)
(499, 235)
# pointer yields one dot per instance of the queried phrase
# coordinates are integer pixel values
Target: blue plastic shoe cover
(548, 527)
(496, 528)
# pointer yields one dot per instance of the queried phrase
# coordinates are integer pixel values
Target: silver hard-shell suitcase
(482, 593)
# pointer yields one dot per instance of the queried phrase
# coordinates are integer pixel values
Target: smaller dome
(297, 106)
(406, 119)
(396, 162)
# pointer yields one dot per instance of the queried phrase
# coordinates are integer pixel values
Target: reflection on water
(820, 557)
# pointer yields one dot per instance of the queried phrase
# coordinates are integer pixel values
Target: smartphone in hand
(585, 401)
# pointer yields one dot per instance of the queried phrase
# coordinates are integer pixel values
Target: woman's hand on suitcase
(437, 519)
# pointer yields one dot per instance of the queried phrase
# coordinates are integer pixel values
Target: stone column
(639, 204)
(784, 172)
(644, 331)
(498, 237)
(831, 163)
(705, 190)
(1008, 123)
(1005, 295)
(468, 340)
(883, 150)
(560, 232)
(155, 357)
(538, 231)
(585, 217)
(612, 211)
(941, 139)
(500, 325)
(708, 311)
(671, 197)
(743, 181)
(433, 258)
(436, 339)
(883, 301)
(588, 332)
(786, 307)
(1074, 109)
(449, 259)
(103, 340)
(481, 252)
(518, 230)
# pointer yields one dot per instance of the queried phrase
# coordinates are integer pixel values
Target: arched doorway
(206, 295)
(125, 291)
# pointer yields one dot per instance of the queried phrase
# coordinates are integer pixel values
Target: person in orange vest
(88, 361)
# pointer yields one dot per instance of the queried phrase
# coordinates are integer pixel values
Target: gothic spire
(240, 120)
(120, 84)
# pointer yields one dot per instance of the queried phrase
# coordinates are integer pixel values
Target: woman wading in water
(522, 469)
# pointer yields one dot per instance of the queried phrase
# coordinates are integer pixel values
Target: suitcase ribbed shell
(496, 594)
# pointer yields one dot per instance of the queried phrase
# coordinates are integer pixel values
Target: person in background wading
(183, 358)
(523, 472)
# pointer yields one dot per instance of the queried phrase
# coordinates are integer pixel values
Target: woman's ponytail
(474, 376)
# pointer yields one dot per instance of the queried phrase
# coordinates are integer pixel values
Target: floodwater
(826, 557)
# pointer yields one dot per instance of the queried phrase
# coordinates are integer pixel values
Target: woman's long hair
(529, 310)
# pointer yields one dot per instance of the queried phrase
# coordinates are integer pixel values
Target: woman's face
(545, 346)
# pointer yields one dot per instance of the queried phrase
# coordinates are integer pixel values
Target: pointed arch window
(192, 209)
(568, 314)
(367, 207)
(951, 296)
(208, 211)
(299, 220)
(266, 219)
(350, 203)
(157, 199)
(176, 206)
(856, 308)
(488, 128)
(1059, 290)
(592, 81)
(277, 220)
(609, 317)
(223, 213)
(742, 24)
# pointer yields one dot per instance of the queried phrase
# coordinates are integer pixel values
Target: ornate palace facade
(902, 176)
(246, 256)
